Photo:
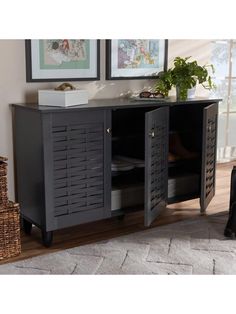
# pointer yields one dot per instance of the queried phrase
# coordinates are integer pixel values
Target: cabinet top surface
(118, 103)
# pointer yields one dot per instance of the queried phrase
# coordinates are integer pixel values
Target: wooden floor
(109, 228)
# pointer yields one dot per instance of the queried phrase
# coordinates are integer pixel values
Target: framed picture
(51, 60)
(135, 58)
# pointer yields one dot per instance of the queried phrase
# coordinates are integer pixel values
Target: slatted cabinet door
(79, 180)
(156, 163)
(209, 140)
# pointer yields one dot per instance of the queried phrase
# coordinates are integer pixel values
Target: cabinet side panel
(29, 164)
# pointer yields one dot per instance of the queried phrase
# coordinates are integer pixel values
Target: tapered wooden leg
(47, 237)
(121, 217)
(202, 207)
(203, 211)
(27, 226)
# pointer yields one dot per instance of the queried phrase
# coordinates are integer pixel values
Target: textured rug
(194, 246)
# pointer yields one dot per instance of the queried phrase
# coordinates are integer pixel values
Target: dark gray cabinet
(64, 159)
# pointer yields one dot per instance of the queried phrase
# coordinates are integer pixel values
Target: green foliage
(164, 83)
(184, 75)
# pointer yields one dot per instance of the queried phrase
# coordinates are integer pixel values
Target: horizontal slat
(69, 164)
(93, 200)
(84, 138)
(81, 153)
(77, 127)
(85, 126)
(76, 133)
(61, 138)
(60, 201)
(70, 180)
(56, 129)
(74, 208)
(61, 192)
(80, 202)
(95, 173)
(79, 150)
(59, 174)
(62, 210)
(79, 184)
(79, 180)
(76, 190)
(77, 156)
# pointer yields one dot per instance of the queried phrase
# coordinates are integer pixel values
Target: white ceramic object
(191, 92)
(127, 197)
(62, 98)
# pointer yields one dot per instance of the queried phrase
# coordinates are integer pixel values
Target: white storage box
(62, 98)
(127, 197)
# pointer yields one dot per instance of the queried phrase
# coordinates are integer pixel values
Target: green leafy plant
(184, 75)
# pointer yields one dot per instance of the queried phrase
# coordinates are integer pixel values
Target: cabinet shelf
(181, 131)
(128, 178)
(127, 136)
(183, 162)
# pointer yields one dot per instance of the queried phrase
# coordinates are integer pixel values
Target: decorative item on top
(52, 60)
(184, 76)
(65, 86)
(135, 58)
(10, 244)
(147, 94)
(64, 95)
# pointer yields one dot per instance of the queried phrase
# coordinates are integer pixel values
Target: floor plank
(133, 222)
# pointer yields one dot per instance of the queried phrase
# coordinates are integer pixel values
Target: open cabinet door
(210, 114)
(156, 163)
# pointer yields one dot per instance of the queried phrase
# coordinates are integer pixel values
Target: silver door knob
(152, 134)
(109, 130)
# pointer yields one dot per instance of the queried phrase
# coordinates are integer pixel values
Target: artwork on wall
(62, 60)
(135, 58)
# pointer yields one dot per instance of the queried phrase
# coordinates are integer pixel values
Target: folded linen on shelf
(138, 163)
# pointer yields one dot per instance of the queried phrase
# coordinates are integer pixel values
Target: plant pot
(184, 93)
(181, 93)
(191, 93)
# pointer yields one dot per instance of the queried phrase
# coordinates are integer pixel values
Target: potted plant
(184, 75)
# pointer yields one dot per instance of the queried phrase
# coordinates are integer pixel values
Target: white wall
(14, 89)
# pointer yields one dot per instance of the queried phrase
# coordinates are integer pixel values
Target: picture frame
(52, 60)
(128, 59)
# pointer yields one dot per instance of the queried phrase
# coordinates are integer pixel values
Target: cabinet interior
(128, 141)
(185, 152)
(128, 154)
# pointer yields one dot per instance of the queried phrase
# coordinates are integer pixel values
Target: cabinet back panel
(129, 126)
(186, 120)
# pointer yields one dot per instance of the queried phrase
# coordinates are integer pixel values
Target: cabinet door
(156, 163)
(78, 168)
(209, 140)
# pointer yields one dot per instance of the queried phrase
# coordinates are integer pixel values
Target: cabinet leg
(47, 237)
(27, 226)
(202, 211)
(202, 207)
(121, 217)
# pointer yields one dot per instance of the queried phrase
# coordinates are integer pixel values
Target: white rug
(194, 246)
